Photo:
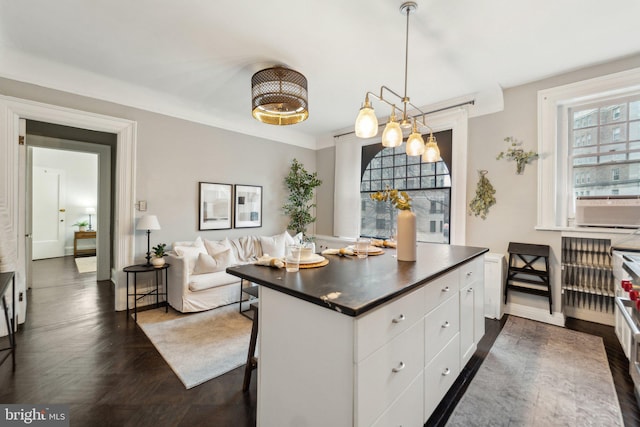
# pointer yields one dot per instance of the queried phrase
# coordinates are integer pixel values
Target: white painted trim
(538, 314)
(11, 110)
(457, 121)
(552, 110)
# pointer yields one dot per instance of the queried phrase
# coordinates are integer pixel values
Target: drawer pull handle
(446, 372)
(399, 368)
(445, 289)
(469, 274)
(446, 324)
(470, 290)
(399, 319)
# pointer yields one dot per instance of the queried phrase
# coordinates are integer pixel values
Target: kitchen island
(364, 342)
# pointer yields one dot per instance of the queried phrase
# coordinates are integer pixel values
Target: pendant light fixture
(366, 125)
(431, 151)
(279, 96)
(392, 134)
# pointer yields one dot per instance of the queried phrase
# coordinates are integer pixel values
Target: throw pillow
(212, 264)
(215, 247)
(275, 245)
(190, 253)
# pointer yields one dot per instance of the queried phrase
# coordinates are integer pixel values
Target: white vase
(406, 240)
(157, 262)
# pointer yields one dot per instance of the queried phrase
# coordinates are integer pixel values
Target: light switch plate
(142, 205)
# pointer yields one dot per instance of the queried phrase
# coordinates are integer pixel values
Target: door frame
(12, 202)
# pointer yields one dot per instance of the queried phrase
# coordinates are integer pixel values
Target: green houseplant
(82, 225)
(159, 252)
(300, 184)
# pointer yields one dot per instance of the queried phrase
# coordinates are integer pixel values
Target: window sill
(586, 230)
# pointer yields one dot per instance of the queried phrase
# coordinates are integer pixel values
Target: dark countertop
(362, 284)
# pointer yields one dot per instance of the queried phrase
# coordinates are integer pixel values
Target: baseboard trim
(540, 315)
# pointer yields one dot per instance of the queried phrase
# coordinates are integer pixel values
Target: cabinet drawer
(381, 378)
(472, 271)
(440, 374)
(375, 329)
(407, 410)
(441, 289)
(440, 326)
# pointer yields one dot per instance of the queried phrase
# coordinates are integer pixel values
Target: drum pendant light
(279, 96)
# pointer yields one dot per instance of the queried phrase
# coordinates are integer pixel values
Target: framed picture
(215, 206)
(248, 206)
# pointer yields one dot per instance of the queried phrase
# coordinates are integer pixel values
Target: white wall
(173, 155)
(81, 173)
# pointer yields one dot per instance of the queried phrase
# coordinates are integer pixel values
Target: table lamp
(90, 211)
(148, 222)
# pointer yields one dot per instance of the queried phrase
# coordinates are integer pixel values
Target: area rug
(199, 346)
(86, 264)
(541, 375)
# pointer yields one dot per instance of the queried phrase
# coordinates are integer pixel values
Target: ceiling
(194, 58)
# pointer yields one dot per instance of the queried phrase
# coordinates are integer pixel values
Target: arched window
(428, 184)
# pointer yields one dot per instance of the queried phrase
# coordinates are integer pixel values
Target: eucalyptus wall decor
(514, 152)
(484, 198)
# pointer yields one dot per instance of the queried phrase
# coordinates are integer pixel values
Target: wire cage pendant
(279, 96)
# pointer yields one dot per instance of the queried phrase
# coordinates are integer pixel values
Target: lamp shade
(148, 222)
(431, 151)
(90, 211)
(366, 122)
(279, 96)
(392, 134)
(415, 144)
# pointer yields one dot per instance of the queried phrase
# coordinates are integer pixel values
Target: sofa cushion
(216, 247)
(210, 264)
(190, 253)
(275, 245)
(201, 282)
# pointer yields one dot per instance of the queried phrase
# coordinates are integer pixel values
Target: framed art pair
(224, 205)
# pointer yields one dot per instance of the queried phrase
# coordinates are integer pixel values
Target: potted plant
(406, 239)
(159, 252)
(514, 152)
(82, 225)
(300, 184)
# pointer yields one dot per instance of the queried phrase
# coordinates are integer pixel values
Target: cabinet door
(478, 308)
(467, 316)
(407, 410)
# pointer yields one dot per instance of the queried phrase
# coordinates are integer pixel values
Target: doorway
(84, 160)
(12, 190)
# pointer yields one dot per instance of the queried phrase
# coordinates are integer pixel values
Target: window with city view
(605, 148)
(428, 184)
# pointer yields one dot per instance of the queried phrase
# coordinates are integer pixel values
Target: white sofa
(197, 277)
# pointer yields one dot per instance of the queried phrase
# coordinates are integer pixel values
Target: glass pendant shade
(415, 143)
(279, 96)
(366, 122)
(431, 151)
(392, 134)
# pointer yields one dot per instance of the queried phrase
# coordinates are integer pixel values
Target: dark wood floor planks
(75, 349)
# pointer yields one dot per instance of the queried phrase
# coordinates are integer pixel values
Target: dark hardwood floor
(75, 349)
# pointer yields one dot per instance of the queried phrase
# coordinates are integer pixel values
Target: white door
(48, 213)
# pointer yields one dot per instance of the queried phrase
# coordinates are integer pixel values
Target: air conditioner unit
(608, 211)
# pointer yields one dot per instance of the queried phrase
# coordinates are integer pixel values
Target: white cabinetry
(471, 308)
(390, 366)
